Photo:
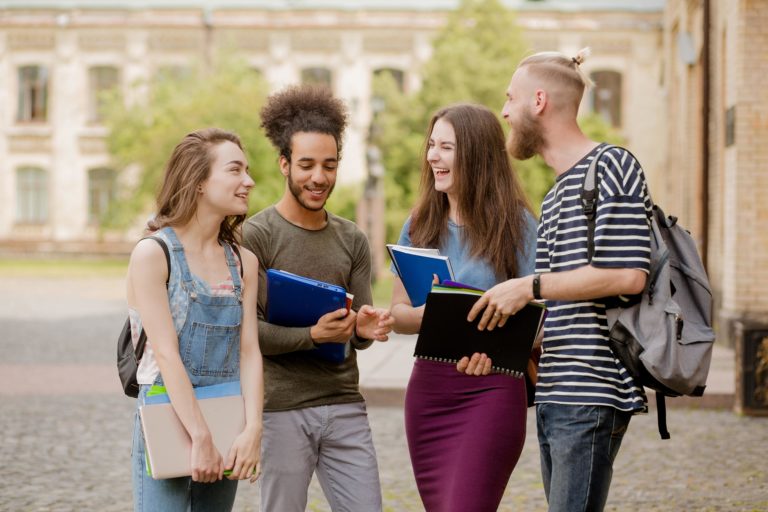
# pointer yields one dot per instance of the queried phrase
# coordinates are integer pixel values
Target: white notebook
(167, 442)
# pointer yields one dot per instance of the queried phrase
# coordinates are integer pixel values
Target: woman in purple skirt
(466, 431)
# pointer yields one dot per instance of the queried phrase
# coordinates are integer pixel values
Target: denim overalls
(208, 329)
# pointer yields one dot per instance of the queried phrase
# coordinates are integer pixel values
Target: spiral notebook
(447, 336)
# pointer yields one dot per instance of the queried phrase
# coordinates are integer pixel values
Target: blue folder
(297, 301)
(415, 271)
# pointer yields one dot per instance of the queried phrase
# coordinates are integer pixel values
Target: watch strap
(537, 286)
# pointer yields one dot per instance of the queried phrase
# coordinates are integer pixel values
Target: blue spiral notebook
(298, 301)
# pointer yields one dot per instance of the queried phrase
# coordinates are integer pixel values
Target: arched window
(33, 94)
(321, 76)
(101, 192)
(606, 96)
(31, 196)
(102, 80)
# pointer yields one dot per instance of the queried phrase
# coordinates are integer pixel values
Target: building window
(322, 76)
(397, 75)
(102, 79)
(31, 196)
(33, 94)
(101, 193)
(606, 96)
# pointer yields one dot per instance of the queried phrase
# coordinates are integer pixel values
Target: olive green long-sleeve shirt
(337, 254)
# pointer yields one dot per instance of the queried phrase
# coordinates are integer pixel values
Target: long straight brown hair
(189, 166)
(491, 202)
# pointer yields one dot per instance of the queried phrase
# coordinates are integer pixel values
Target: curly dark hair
(303, 108)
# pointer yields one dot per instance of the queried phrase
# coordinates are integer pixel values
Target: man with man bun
(584, 396)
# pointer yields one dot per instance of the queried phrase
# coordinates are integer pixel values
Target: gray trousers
(334, 440)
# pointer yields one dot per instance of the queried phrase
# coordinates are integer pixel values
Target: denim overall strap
(209, 338)
(233, 271)
(188, 282)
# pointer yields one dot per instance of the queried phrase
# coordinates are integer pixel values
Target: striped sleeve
(622, 234)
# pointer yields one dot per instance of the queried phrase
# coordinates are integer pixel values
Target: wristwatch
(537, 286)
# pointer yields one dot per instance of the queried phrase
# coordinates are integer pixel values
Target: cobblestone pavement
(66, 439)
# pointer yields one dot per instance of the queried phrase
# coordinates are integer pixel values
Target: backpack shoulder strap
(167, 255)
(589, 195)
(143, 335)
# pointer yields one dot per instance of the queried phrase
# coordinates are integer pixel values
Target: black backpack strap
(143, 335)
(589, 195)
(661, 413)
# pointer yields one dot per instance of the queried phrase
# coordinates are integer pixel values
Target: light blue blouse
(475, 271)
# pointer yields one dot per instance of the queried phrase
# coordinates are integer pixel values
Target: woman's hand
(244, 456)
(478, 364)
(207, 463)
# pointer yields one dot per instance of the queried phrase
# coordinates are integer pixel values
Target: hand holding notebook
(168, 445)
(416, 266)
(447, 336)
(298, 301)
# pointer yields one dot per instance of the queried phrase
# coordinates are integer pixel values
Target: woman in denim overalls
(202, 330)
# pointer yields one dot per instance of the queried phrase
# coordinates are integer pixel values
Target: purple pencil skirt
(465, 435)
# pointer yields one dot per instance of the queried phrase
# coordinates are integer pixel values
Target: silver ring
(497, 314)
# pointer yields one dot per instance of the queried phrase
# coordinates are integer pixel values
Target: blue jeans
(578, 444)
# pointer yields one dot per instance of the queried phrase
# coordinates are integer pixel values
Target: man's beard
(296, 191)
(525, 137)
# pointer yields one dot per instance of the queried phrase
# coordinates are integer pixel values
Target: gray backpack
(665, 338)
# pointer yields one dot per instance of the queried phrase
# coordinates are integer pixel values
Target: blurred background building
(56, 57)
(679, 79)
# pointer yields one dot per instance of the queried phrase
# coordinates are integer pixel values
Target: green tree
(228, 95)
(473, 58)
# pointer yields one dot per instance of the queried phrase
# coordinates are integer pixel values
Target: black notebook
(447, 336)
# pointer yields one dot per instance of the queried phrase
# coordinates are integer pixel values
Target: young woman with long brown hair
(466, 431)
(199, 316)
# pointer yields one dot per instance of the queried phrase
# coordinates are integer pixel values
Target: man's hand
(502, 301)
(478, 364)
(374, 323)
(334, 327)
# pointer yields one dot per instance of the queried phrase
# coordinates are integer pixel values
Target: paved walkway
(66, 427)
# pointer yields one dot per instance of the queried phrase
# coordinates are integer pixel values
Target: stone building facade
(56, 176)
(715, 60)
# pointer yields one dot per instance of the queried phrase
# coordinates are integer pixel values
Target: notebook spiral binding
(495, 369)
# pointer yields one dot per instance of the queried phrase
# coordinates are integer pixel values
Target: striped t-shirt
(577, 366)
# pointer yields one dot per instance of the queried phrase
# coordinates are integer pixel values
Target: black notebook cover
(447, 336)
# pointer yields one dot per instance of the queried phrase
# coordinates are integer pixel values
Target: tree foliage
(228, 95)
(474, 56)
(472, 60)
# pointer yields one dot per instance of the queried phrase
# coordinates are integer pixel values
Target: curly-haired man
(314, 414)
